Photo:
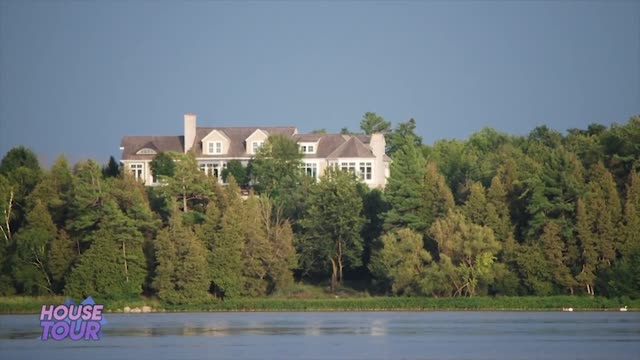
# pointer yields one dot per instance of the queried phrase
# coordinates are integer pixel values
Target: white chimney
(377, 145)
(189, 131)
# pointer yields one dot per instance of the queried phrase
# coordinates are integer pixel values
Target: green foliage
(276, 169)
(31, 252)
(188, 186)
(401, 261)
(330, 241)
(403, 134)
(467, 252)
(223, 235)
(239, 172)
(181, 273)
(112, 169)
(163, 165)
(373, 123)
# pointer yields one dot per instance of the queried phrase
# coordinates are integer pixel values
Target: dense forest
(543, 214)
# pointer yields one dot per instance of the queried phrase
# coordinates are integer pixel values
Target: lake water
(339, 335)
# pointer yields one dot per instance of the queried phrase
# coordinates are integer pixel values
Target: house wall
(215, 136)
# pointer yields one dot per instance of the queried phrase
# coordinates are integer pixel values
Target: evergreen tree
(630, 232)
(223, 236)
(373, 123)
(112, 169)
(556, 258)
(62, 254)
(588, 246)
(404, 189)
(114, 266)
(31, 260)
(55, 190)
(181, 272)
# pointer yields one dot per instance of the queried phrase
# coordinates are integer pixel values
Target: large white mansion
(215, 146)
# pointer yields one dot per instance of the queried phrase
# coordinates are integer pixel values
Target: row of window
(215, 147)
(362, 169)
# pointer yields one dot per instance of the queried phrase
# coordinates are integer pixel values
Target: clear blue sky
(76, 76)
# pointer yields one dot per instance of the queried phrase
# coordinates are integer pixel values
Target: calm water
(362, 335)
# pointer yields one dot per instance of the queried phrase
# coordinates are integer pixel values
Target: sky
(77, 76)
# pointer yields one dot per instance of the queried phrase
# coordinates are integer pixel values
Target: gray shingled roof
(237, 136)
(352, 148)
(132, 144)
(329, 145)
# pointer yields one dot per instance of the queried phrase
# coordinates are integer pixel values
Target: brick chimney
(189, 131)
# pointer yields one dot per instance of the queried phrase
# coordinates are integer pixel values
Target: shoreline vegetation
(32, 305)
(543, 221)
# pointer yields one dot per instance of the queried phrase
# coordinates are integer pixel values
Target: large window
(310, 169)
(348, 166)
(214, 147)
(365, 171)
(137, 170)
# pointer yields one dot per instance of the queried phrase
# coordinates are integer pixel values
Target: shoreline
(16, 305)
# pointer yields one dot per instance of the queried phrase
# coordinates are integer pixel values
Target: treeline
(494, 214)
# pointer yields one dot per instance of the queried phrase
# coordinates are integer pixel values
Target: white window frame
(310, 169)
(365, 170)
(137, 170)
(255, 146)
(214, 147)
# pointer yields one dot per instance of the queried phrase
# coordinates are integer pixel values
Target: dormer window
(146, 151)
(214, 147)
(308, 148)
(256, 146)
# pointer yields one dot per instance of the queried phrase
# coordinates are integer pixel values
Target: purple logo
(75, 322)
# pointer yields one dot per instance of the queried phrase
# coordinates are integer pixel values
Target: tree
(373, 123)
(238, 171)
(188, 185)
(56, 191)
(223, 235)
(470, 249)
(630, 232)
(319, 131)
(181, 272)
(331, 226)
(276, 169)
(404, 189)
(114, 266)
(589, 252)
(401, 261)
(401, 135)
(112, 169)
(31, 251)
(163, 165)
(62, 254)
(555, 255)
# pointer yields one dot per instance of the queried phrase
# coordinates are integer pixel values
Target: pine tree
(588, 246)
(404, 189)
(114, 266)
(555, 255)
(31, 260)
(630, 231)
(62, 254)
(436, 196)
(223, 236)
(603, 208)
(181, 272)
(475, 208)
